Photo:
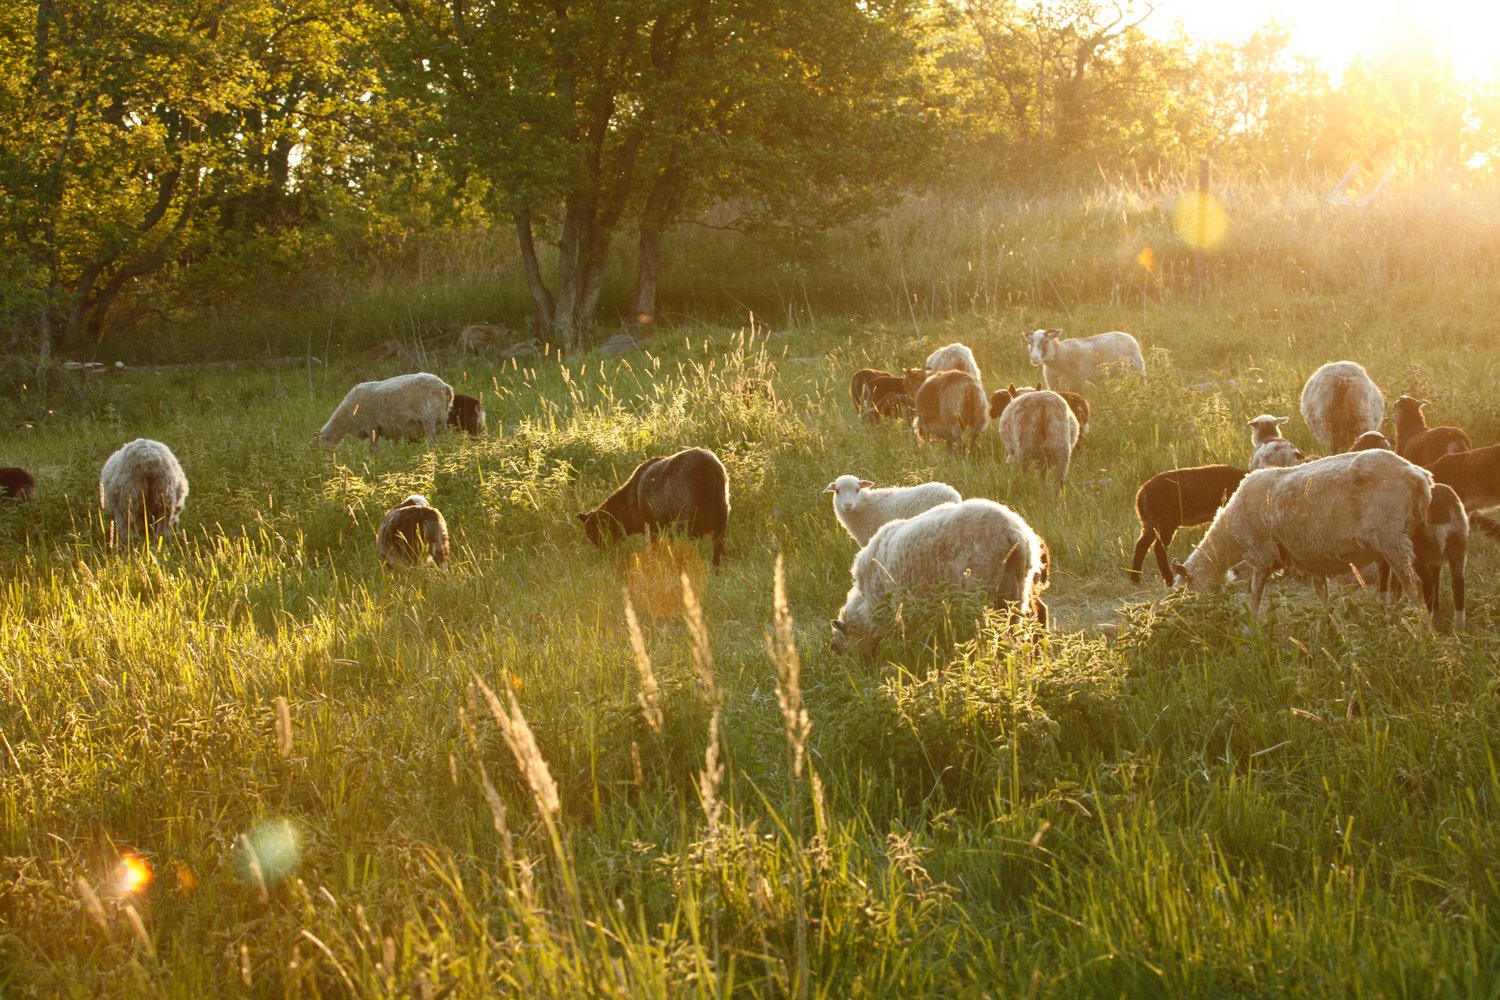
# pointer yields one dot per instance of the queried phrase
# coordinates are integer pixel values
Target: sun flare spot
(655, 576)
(132, 875)
(1147, 259)
(1200, 220)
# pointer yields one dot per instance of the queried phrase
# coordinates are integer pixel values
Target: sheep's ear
(583, 516)
(1424, 402)
(829, 489)
(1011, 389)
(1282, 420)
(865, 484)
(1053, 334)
(837, 625)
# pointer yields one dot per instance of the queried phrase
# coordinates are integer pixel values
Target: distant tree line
(147, 146)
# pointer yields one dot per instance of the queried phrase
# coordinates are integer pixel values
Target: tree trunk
(541, 295)
(656, 216)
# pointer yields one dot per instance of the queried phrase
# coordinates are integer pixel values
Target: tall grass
(492, 779)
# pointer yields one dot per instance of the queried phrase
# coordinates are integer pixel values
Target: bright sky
(1334, 31)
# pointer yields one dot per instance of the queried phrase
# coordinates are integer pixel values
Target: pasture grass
(1157, 800)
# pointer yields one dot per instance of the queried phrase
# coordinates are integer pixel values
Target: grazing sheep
(1418, 443)
(862, 510)
(1073, 363)
(689, 488)
(973, 543)
(1177, 499)
(950, 405)
(1340, 402)
(1000, 399)
(142, 484)
(1318, 518)
(16, 483)
(1372, 439)
(1039, 431)
(859, 385)
(888, 396)
(1276, 453)
(467, 414)
(954, 358)
(402, 407)
(412, 531)
(1443, 537)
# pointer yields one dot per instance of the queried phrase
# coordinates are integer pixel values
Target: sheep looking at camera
(862, 509)
(407, 406)
(1318, 518)
(1073, 363)
(1340, 402)
(142, 485)
(411, 532)
(975, 543)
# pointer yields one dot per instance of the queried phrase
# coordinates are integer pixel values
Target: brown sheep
(1001, 398)
(859, 385)
(467, 414)
(1420, 444)
(410, 532)
(689, 488)
(1177, 499)
(950, 406)
(16, 483)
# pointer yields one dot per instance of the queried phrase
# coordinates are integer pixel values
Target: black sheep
(689, 488)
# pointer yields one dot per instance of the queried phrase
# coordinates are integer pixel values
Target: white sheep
(1039, 430)
(1340, 402)
(862, 510)
(1072, 363)
(1274, 454)
(143, 484)
(954, 357)
(406, 406)
(1317, 518)
(1265, 428)
(974, 543)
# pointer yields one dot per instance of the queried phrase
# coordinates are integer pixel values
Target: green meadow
(252, 761)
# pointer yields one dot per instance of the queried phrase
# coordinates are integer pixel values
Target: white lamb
(406, 406)
(1265, 428)
(1277, 453)
(142, 485)
(862, 510)
(1340, 402)
(1040, 431)
(974, 543)
(954, 357)
(1318, 518)
(1073, 363)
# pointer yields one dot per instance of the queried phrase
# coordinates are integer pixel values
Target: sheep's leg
(1456, 573)
(1320, 585)
(1429, 577)
(1144, 542)
(1258, 577)
(1163, 539)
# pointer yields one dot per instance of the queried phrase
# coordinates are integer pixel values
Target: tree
(120, 122)
(584, 115)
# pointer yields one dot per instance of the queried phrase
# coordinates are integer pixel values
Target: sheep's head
(1266, 427)
(914, 377)
(849, 635)
(1370, 440)
(1408, 409)
(415, 500)
(1195, 575)
(600, 527)
(845, 490)
(1040, 343)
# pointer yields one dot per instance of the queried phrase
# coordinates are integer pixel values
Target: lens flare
(1200, 220)
(1147, 259)
(268, 853)
(655, 576)
(132, 875)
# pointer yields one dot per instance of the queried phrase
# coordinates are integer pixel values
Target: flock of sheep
(1387, 510)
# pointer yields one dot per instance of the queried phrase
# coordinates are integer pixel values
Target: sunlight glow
(1200, 221)
(1334, 32)
(132, 875)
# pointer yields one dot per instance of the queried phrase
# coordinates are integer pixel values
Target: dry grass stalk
(711, 777)
(703, 654)
(650, 696)
(518, 736)
(133, 918)
(91, 904)
(782, 646)
(491, 795)
(283, 726)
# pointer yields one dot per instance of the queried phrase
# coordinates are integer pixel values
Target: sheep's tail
(1484, 523)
